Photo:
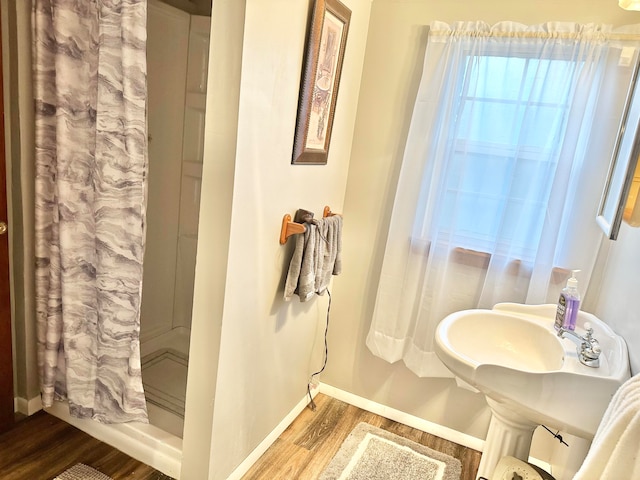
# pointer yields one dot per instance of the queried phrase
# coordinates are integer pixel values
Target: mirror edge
(631, 115)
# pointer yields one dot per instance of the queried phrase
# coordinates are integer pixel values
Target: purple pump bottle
(568, 304)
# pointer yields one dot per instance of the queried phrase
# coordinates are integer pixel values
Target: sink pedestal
(529, 375)
(509, 434)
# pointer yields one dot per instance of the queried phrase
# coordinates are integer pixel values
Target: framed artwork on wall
(320, 82)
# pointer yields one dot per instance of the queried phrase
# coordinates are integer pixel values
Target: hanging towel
(614, 451)
(301, 268)
(317, 256)
(328, 251)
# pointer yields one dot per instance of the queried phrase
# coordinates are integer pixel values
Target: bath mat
(370, 453)
(81, 471)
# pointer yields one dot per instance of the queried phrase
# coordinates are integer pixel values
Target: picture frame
(320, 82)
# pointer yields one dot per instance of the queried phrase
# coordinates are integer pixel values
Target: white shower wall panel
(198, 54)
(194, 127)
(192, 155)
(167, 48)
(190, 198)
(185, 281)
(178, 49)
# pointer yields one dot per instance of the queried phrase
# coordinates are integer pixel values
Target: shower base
(164, 376)
(144, 442)
(159, 443)
(165, 379)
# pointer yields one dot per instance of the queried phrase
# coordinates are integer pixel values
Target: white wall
(227, 29)
(618, 295)
(268, 347)
(394, 52)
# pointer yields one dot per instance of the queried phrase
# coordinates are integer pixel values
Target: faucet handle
(589, 336)
(592, 349)
(588, 348)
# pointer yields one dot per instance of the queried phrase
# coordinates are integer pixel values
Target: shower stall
(177, 62)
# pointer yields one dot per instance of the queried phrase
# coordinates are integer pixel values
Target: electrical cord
(312, 404)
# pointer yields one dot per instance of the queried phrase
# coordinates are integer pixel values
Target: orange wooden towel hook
(290, 228)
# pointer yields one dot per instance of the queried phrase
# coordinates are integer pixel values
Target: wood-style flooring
(42, 446)
(311, 441)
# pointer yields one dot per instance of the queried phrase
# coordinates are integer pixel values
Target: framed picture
(320, 82)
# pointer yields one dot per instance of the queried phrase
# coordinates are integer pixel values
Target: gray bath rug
(82, 472)
(370, 453)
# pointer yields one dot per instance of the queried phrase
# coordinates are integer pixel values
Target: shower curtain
(89, 66)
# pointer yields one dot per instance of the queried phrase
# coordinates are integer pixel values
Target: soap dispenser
(568, 304)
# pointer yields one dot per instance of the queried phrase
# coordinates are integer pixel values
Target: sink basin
(489, 337)
(513, 355)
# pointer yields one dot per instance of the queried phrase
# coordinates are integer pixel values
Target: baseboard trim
(365, 404)
(27, 407)
(257, 452)
(403, 417)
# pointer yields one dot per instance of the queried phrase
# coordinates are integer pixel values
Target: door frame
(7, 410)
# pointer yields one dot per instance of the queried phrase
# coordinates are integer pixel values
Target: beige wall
(618, 293)
(16, 18)
(227, 29)
(268, 347)
(395, 48)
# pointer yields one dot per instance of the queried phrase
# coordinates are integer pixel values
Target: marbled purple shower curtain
(89, 70)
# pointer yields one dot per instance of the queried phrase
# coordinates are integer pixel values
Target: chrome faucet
(588, 347)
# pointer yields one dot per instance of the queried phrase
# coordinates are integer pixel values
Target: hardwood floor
(42, 446)
(311, 441)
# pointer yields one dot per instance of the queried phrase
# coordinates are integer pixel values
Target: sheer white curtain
(502, 173)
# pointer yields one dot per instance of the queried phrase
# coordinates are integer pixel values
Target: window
(507, 152)
(504, 144)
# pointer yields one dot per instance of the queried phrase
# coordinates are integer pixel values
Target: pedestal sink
(529, 375)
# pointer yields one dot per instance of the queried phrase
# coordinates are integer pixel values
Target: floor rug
(370, 453)
(82, 472)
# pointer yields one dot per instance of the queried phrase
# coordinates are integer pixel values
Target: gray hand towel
(316, 257)
(328, 251)
(297, 260)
